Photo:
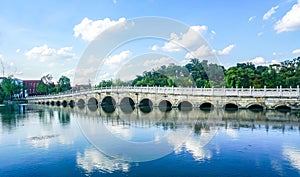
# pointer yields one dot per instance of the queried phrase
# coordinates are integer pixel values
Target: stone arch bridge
(237, 98)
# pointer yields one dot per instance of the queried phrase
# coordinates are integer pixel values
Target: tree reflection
(8, 117)
(64, 117)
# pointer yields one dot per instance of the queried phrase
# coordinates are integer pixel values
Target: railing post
(265, 90)
(212, 90)
(297, 90)
(250, 91)
(280, 91)
(236, 90)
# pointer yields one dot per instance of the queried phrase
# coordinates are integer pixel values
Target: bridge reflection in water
(135, 126)
(171, 118)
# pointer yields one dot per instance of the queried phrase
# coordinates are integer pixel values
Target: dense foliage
(64, 84)
(10, 87)
(47, 86)
(204, 74)
(286, 74)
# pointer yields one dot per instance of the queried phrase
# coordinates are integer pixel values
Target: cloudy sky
(40, 37)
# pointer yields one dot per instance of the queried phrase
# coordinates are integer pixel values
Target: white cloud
(290, 21)
(206, 51)
(274, 62)
(200, 29)
(188, 40)
(258, 60)
(69, 73)
(89, 29)
(158, 62)
(114, 1)
(104, 76)
(260, 33)
(212, 34)
(202, 51)
(18, 51)
(112, 64)
(155, 47)
(262, 61)
(251, 18)
(297, 51)
(118, 58)
(44, 53)
(270, 13)
(226, 50)
(277, 53)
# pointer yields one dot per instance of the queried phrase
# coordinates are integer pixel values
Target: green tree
(42, 88)
(46, 86)
(105, 83)
(10, 87)
(64, 84)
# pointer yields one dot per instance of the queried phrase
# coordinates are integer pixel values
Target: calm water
(88, 141)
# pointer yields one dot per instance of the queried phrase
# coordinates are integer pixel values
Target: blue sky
(39, 37)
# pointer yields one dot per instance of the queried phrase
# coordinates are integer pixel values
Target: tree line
(11, 88)
(198, 73)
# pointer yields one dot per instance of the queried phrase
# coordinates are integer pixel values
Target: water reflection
(93, 160)
(292, 154)
(171, 129)
(38, 126)
(10, 116)
(125, 135)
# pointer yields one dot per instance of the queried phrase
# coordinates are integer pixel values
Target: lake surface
(38, 140)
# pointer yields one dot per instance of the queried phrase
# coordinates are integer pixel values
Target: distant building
(30, 87)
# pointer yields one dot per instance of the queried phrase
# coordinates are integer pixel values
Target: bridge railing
(254, 92)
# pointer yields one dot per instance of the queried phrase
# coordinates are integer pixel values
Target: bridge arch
(72, 103)
(185, 106)
(206, 106)
(92, 107)
(255, 106)
(92, 101)
(64, 103)
(47, 102)
(80, 102)
(231, 106)
(108, 108)
(146, 102)
(52, 103)
(108, 101)
(127, 101)
(165, 106)
(58, 103)
(127, 105)
(283, 108)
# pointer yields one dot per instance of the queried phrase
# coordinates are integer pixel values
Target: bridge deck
(230, 92)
